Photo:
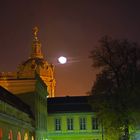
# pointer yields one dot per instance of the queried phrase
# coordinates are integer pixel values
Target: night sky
(67, 27)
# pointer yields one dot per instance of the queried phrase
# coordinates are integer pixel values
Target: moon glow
(62, 60)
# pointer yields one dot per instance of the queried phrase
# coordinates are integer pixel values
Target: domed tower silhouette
(36, 64)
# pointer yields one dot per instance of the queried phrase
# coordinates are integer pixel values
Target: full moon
(62, 60)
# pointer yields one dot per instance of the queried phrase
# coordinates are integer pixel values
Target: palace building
(29, 109)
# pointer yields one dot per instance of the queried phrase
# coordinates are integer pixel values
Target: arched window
(26, 136)
(18, 136)
(1, 134)
(10, 135)
(32, 138)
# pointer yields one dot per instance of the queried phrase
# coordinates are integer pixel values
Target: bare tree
(115, 92)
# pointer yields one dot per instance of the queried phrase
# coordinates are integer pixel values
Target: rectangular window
(70, 124)
(94, 123)
(57, 124)
(82, 123)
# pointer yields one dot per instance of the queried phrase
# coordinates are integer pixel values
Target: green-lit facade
(72, 118)
(76, 133)
(15, 123)
(41, 121)
(46, 123)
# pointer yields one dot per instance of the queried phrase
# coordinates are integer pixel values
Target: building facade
(16, 120)
(72, 118)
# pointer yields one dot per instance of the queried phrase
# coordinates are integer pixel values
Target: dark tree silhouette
(116, 91)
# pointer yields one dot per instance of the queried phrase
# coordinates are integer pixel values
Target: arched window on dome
(10, 135)
(32, 138)
(26, 136)
(1, 134)
(18, 136)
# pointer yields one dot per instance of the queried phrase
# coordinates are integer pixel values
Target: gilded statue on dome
(35, 32)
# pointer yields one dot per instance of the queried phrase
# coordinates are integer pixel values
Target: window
(18, 136)
(1, 134)
(82, 123)
(32, 138)
(25, 136)
(70, 124)
(10, 135)
(94, 123)
(57, 124)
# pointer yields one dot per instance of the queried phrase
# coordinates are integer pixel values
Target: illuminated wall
(14, 124)
(88, 132)
(41, 110)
